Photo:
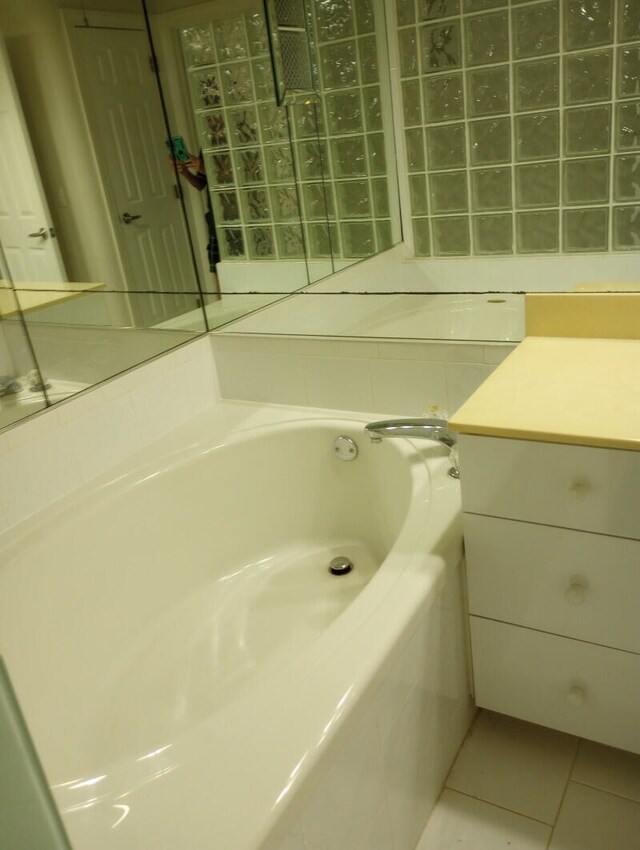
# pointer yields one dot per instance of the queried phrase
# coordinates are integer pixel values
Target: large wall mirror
(153, 188)
(518, 139)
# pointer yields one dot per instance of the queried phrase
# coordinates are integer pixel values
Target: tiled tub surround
(330, 173)
(69, 445)
(391, 378)
(392, 712)
(383, 773)
(522, 125)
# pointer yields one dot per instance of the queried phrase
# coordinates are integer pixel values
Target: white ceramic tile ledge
(393, 378)
(54, 453)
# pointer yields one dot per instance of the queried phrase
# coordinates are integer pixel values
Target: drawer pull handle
(579, 491)
(576, 697)
(576, 593)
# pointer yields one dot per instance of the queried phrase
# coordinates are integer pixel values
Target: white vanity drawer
(573, 583)
(580, 688)
(571, 486)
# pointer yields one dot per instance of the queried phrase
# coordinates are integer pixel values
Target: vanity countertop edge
(561, 390)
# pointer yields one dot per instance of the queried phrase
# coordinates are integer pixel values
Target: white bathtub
(188, 667)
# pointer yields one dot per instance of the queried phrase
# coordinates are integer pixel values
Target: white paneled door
(26, 230)
(127, 126)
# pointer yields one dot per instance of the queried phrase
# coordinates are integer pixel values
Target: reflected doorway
(27, 234)
(119, 90)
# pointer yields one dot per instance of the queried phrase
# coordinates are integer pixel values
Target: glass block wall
(244, 137)
(522, 125)
(314, 177)
(351, 129)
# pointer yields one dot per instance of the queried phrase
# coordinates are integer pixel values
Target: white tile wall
(407, 387)
(392, 378)
(87, 355)
(55, 452)
(463, 379)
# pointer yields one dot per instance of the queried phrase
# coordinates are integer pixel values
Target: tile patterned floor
(516, 786)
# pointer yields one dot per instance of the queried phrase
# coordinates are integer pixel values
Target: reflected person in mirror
(192, 169)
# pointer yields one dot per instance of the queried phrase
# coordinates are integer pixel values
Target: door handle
(129, 218)
(41, 234)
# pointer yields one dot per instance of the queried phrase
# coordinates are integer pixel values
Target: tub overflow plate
(340, 566)
(345, 448)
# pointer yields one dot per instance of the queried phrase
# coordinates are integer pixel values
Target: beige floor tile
(593, 820)
(608, 769)
(516, 765)
(463, 823)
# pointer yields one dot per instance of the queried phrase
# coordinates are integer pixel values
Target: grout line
(613, 127)
(562, 128)
(498, 806)
(512, 129)
(605, 791)
(564, 793)
(469, 733)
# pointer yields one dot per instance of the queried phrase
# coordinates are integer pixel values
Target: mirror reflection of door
(119, 90)
(27, 235)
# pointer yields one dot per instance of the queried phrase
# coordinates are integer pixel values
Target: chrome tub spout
(415, 429)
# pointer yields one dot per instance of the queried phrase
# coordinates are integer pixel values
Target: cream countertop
(606, 315)
(33, 296)
(561, 390)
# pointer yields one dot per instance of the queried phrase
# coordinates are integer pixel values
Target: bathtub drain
(340, 566)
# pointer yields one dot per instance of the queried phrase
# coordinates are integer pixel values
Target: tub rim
(291, 749)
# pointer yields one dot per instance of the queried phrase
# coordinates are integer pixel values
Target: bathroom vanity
(550, 461)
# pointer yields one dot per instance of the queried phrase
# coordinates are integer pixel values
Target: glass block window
(521, 124)
(349, 128)
(244, 138)
(309, 179)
